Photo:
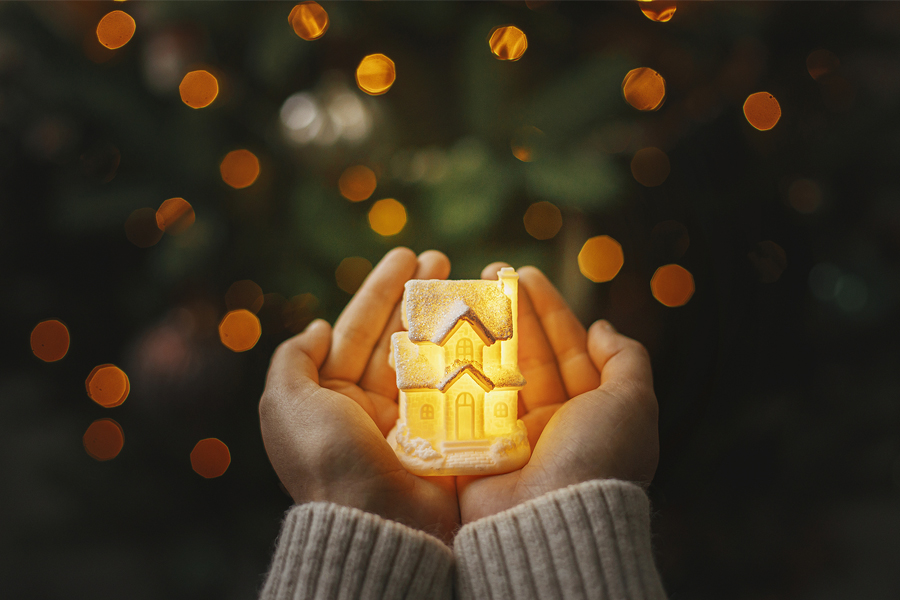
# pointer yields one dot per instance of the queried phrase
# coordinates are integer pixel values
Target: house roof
(414, 372)
(433, 308)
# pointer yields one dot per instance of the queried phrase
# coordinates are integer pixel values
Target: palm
(589, 409)
(333, 395)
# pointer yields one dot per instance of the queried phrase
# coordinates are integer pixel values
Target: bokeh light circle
(762, 110)
(508, 42)
(357, 183)
(239, 168)
(650, 167)
(309, 20)
(387, 217)
(103, 439)
(350, 274)
(239, 330)
(107, 385)
(672, 285)
(50, 340)
(198, 89)
(142, 229)
(525, 143)
(543, 220)
(644, 89)
(210, 458)
(660, 11)
(822, 62)
(174, 216)
(601, 258)
(244, 294)
(115, 29)
(375, 74)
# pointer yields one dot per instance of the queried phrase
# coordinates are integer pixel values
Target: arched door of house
(465, 416)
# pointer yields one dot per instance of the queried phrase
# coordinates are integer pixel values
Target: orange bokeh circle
(672, 285)
(239, 169)
(210, 458)
(107, 385)
(239, 330)
(601, 259)
(762, 110)
(50, 340)
(115, 29)
(309, 20)
(198, 89)
(103, 439)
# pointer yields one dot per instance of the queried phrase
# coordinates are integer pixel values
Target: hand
(589, 404)
(331, 397)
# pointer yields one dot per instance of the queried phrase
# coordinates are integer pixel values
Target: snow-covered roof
(414, 372)
(434, 307)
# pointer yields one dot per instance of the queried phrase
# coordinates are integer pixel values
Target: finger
(298, 359)
(379, 377)
(536, 359)
(360, 325)
(564, 331)
(620, 359)
(491, 271)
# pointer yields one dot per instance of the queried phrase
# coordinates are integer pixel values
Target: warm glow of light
(309, 20)
(508, 43)
(103, 440)
(375, 74)
(115, 29)
(357, 183)
(762, 110)
(387, 217)
(198, 89)
(769, 259)
(661, 11)
(107, 385)
(239, 330)
(50, 340)
(244, 294)
(175, 216)
(141, 228)
(601, 258)
(351, 273)
(805, 196)
(821, 62)
(644, 88)
(650, 166)
(672, 285)
(210, 458)
(524, 143)
(543, 220)
(239, 168)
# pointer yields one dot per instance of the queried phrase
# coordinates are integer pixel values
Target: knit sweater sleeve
(590, 540)
(331, 551)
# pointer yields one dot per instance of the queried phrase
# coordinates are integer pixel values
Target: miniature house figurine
(458, 376)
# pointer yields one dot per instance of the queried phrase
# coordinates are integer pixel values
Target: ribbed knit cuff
(590, 540)
(331, 551)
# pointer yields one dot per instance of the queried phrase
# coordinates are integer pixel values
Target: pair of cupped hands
(331, 398)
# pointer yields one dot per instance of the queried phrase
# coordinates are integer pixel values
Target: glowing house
(458, 376)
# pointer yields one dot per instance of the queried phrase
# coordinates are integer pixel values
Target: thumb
(301, 356)
(618, 358)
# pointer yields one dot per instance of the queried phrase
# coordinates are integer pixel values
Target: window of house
(501, 410)
(464, 350)
(427, 412)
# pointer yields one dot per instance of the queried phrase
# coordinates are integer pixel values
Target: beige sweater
(590, 540)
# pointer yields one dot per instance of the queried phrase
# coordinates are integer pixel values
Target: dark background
(779, 388)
